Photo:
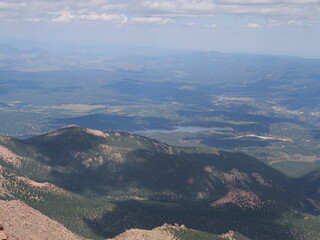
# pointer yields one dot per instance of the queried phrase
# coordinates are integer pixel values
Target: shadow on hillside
(158, 172)
(236, 114)
(167, 92)
(258, 225)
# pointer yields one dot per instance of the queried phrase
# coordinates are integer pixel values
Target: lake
(189, 129)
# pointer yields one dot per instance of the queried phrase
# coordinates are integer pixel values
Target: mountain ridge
(88, 180)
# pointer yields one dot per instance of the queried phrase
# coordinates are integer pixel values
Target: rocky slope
(175, 232)
(154, 234)
(23, 222)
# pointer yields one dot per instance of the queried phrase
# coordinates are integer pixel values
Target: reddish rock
(3, 235)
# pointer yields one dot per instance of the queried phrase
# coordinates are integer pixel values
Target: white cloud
(264, 8)
(112, 18)
(157, 20)
(295, 23)
(262, 2)
(65, 16)
(193, 7)
(276, 23)
(35, 20)
(253, 25)
(290, 12)
(12, 5)
(209, 25)
(190, 24)
(109, 7)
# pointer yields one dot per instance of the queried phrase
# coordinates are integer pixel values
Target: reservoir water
(188, 129)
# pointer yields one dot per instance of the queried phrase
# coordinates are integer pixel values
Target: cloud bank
(293, 12)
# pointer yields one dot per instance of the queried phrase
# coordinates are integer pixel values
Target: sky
(280, 27)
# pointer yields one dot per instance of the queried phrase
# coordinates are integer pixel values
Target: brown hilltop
(166, 232)
(140, 234)
(163, 232)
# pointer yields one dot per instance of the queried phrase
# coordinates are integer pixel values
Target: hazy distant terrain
(212, 140)
(160, 120)
(266, 106)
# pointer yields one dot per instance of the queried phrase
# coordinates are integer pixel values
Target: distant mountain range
(8, 50)
(99, 184)
(184, 64)
(34, 60)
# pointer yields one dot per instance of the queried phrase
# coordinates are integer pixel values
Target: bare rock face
(240, 198)
(229, 235)
(3, 234)
(154, 234)
(164, 232)
(24, 222)
(158, 233)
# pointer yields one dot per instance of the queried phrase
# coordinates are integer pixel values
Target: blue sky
(281, 27)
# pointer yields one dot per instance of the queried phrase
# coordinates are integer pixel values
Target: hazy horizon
(249, 26)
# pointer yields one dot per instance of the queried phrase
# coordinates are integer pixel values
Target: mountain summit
(89, 179)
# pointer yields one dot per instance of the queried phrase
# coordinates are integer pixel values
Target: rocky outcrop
(3, 234)
(240, 198)
(24, 222)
